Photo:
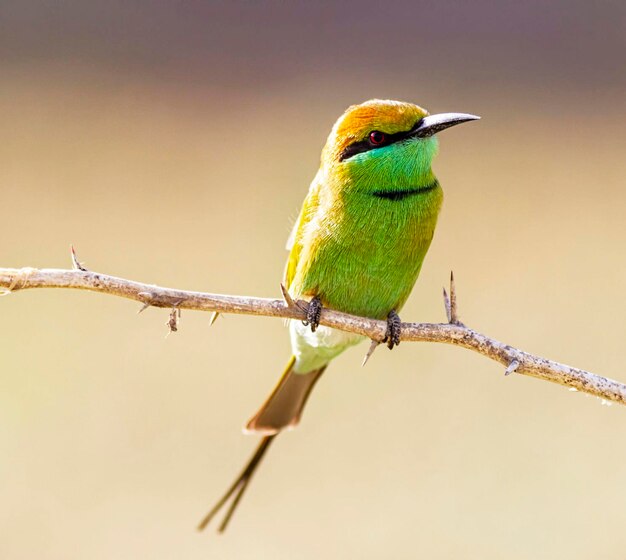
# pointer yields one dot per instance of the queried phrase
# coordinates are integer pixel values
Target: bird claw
(313, 314)
(394, 328)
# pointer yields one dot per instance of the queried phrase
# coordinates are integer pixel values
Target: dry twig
(453, 332)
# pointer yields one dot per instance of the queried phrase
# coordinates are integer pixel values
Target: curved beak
(436, 123)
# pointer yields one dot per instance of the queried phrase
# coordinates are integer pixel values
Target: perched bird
(357, 246)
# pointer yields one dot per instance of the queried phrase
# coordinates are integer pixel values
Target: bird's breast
(363, 254)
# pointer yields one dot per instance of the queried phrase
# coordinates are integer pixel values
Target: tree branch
(454, 332)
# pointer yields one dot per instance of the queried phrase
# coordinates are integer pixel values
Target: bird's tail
(284, 406)
(282, 409)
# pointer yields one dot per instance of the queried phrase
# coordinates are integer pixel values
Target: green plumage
(363, 246)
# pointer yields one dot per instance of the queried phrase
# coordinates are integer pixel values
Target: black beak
(436, 123)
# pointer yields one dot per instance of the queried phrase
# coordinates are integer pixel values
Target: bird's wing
(294, 243)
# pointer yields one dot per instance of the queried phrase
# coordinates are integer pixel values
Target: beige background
(174, 146)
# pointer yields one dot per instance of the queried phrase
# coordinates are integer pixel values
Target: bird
(357, 246)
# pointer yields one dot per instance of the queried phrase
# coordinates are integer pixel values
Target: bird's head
(386, 143)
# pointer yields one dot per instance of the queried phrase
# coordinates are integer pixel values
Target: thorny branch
(454, 332)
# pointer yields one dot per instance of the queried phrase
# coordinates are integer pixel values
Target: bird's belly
(315, 349)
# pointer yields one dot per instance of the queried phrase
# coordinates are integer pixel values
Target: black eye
(377, 138)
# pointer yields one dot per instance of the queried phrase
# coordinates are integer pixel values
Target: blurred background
(173, 143)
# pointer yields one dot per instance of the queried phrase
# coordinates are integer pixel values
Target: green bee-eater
(357, 246)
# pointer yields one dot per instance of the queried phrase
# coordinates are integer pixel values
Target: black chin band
(401, 194)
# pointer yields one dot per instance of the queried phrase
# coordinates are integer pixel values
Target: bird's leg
(238, 487)
(313, 314)
(392, 335)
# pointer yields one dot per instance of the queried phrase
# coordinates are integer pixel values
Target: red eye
(377, 138)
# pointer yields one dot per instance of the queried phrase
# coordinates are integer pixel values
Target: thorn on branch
(450, 303)
(213, 318)
(287, 297)
(513, 366)
(301, 306)
(373, 345)
(76, 264)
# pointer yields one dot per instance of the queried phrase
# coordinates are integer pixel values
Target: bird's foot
(313, 314)
(392, 336)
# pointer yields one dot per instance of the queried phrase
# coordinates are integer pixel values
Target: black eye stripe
(365, 145)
